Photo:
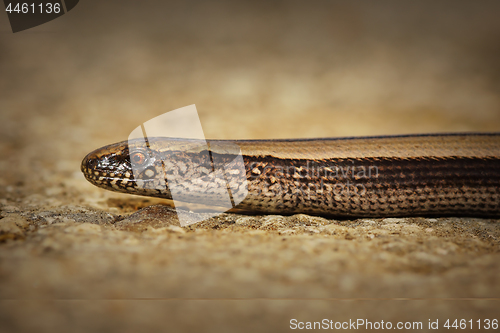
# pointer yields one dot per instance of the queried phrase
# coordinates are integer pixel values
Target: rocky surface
(75, 257)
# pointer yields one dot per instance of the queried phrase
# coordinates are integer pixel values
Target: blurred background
(254, 69)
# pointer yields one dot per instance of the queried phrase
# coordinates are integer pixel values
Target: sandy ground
(77, 258)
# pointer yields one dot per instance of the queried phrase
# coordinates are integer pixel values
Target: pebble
(18, 220)
(394, 220)
(244, 220)
(8, 226)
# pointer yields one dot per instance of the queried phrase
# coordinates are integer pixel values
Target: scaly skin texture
(414, 175)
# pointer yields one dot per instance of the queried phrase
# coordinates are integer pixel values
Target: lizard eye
(92, 163)
(138, 158)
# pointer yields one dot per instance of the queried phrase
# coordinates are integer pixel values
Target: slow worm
(408, 175)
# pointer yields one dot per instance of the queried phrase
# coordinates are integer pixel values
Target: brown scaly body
(413, 175)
